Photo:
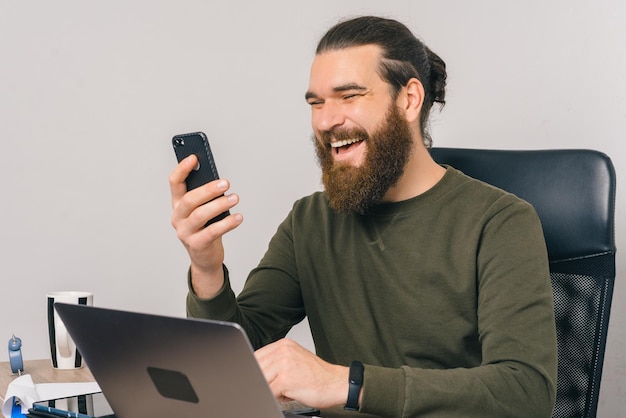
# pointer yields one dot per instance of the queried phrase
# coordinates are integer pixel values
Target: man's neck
(420, 175)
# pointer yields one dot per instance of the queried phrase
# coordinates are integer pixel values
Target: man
(428, 288)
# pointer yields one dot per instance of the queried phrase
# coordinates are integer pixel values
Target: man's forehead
(345, 66)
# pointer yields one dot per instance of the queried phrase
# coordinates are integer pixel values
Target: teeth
(343, 143)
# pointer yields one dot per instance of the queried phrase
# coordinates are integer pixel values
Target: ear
(411, 98)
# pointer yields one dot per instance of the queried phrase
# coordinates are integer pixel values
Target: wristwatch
(15, 355)
(355, 380)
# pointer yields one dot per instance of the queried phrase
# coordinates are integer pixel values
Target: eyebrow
(344, 87)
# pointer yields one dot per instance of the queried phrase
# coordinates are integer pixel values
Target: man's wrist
(206, 285)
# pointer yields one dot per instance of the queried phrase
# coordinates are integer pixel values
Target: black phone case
(206, 171)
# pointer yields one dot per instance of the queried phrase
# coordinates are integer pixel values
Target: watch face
(356, 372)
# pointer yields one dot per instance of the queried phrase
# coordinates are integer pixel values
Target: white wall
(92, 92)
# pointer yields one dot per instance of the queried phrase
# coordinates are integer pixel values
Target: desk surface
(42, 372)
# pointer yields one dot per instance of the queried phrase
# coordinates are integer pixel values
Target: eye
(315, 103)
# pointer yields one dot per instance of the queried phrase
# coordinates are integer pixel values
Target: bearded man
(427, 292)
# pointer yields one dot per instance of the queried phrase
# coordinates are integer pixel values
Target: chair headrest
(572, 190)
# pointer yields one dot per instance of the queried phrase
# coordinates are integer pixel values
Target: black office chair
(573, 192)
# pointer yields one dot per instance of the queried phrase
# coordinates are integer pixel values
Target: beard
(356, 189)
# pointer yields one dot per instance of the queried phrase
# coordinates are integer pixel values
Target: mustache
(339, 134)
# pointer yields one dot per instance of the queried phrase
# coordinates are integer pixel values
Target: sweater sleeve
(265, 309)
(222, 307)
(516, 328)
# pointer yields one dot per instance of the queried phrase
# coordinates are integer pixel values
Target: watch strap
(355, 381)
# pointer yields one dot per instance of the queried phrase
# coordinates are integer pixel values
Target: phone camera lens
(180, 142)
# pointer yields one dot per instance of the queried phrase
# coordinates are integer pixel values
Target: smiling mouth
(344, 143)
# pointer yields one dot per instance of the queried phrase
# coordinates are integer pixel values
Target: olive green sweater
(445, 298)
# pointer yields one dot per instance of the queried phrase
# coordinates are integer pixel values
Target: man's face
(362, 140)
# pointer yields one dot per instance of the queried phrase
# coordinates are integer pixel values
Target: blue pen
(60, 412)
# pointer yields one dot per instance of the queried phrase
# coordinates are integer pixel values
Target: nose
(327, 117)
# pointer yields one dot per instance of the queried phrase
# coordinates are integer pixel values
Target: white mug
(63, 351)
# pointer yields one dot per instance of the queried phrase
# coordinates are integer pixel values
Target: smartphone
(206, 171)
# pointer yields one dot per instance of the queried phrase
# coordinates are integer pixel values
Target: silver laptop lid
(157, 366)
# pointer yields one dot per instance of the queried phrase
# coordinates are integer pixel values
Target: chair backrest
(573, 192)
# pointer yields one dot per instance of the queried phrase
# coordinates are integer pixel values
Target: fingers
(191, 210)
(296, 373)
(274, 359)
(196, 197)
(194, 211)
(178, 188)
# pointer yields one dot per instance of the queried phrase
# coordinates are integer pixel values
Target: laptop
(158, 366)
